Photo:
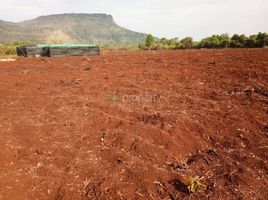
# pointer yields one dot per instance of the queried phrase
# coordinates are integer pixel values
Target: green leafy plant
(149, 41)
(194, 184)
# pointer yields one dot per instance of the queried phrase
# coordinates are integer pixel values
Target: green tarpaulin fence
(65, 45)
(56, 50)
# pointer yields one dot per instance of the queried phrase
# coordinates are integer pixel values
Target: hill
(62, 28)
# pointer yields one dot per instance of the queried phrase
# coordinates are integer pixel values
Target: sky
(162, 18)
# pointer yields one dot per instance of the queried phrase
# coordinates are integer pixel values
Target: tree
(262, 40)
(172, 43)
(210, 42)
(214, 41)
(252, 41)
(243, 40)
(224, 40)
(164, 41)
(235, 43)
(239, 41)
(149, 41)
(157, 46)
(187, 43)
(142, 47)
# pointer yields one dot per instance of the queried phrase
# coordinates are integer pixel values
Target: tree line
(259, 40)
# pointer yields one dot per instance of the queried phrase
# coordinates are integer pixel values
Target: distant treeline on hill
(259, 40)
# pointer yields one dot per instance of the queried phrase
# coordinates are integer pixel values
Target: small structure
(57, 50)
(30, 51)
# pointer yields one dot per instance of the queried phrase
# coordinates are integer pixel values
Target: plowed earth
(135, 125)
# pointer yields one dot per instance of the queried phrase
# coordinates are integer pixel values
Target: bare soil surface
(135, 126)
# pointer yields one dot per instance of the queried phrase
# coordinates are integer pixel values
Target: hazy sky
(162, 18)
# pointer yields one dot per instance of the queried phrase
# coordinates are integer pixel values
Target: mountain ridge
(96, 28)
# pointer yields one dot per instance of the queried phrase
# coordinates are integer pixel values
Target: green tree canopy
(262, 39)
(149, 41)
(187, 43)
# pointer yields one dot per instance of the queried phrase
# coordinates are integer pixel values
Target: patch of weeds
(194, 184)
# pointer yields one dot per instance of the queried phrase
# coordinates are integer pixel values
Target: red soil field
(135, 125)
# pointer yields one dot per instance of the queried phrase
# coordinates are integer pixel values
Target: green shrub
(149, 41)
(10, 48)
